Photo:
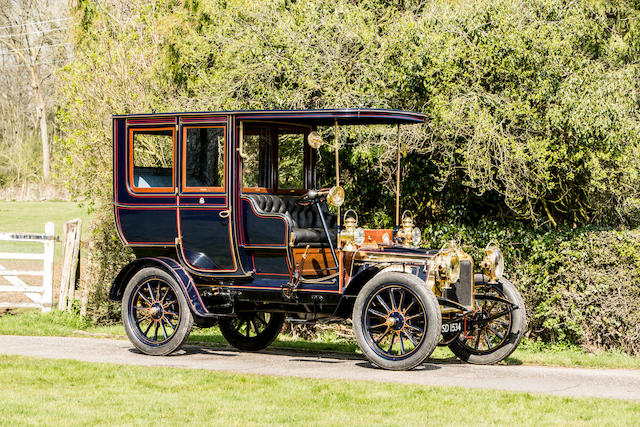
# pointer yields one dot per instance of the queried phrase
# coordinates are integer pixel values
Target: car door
(204, 211)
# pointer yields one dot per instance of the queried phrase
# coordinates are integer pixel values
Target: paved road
(617, 384)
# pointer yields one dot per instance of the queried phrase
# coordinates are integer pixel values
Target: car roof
(321, 117)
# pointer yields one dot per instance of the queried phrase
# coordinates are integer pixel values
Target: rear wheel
(396, 321)
(494, 332)
(155, 312)
(252, 331)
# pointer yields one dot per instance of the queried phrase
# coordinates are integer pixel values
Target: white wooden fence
(41, 296)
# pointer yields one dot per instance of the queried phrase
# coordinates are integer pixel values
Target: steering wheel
(313, 197)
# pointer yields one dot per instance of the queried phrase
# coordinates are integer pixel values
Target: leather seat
(304, 221)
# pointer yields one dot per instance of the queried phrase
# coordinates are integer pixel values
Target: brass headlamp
(351, 236)
(408, 234)
(447, 264)
(314, 140)
(335, 196)
(493, 262)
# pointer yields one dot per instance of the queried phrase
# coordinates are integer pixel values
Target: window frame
(274, 128)
(272, 161)
(183, 185)
(307, 165)
(132, 165)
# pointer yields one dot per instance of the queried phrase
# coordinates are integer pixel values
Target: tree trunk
(44, 134)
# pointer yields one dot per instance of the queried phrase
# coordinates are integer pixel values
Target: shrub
(580, 286)
(107, 256)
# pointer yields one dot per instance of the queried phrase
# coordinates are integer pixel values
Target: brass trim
(240, 148)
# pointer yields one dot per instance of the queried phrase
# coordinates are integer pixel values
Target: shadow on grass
(512, 361)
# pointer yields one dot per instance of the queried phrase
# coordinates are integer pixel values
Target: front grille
(463, 288)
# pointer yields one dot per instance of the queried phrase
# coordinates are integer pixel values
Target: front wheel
(497, 327)
(252, 331)
(155, 312)
(396, 321)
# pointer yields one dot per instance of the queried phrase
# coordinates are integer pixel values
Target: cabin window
(256, 167)
(290, 159)
(152, 152)
(203, 154)
(277, 158)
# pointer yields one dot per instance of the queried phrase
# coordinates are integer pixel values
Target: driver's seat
(304, 221)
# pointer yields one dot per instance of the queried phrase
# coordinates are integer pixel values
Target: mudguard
(172, 267)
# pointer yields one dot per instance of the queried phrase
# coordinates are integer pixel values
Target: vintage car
(229, 227)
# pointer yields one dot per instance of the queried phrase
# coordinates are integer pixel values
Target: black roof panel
(325, 117)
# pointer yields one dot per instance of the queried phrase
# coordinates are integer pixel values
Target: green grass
(529, 353)
(31, 217)
(62, 392)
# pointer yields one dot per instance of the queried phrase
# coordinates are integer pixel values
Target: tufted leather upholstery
(304, 221)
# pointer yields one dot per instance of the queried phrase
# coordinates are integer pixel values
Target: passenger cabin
(217, 191)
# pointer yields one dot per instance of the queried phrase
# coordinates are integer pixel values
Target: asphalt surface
(606, 383)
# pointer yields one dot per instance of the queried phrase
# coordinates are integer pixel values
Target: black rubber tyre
(252, 331)
(490, 343)
(396, 305)
(155, 312)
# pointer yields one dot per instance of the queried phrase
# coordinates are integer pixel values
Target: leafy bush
(107, 257)
(580, 286)
(532, 111)
(531, 105)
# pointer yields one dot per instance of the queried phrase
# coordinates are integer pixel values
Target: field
(31, 217)
(60, 392)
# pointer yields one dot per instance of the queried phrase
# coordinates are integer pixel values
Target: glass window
(204, 158)
(290, 159)
(256, 167)
(153, 158)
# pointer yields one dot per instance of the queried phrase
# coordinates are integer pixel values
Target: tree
(32, 41)
(531, 105)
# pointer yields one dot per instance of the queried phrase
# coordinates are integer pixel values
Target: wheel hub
(156, 310)
(395, 321)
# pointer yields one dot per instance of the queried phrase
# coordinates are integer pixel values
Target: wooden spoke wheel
(252, 331)
(495, 329)
(396, 321)
(155, 312)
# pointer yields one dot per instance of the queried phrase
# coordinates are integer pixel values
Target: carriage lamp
(335, 196)
(493, 262)
(314, 140)
(408, 234)
(447, 264)
(352, 236)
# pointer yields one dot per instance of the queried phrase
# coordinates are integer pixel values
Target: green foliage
(580, 286)
(532, 106)
(532, 113)
(19, 157)
(108, 256)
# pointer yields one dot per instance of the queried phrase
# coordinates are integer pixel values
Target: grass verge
(63, 392)
(529, 353)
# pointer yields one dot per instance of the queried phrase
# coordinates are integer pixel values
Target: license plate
(451, 328)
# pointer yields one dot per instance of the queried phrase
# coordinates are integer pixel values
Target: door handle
(224, 215)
